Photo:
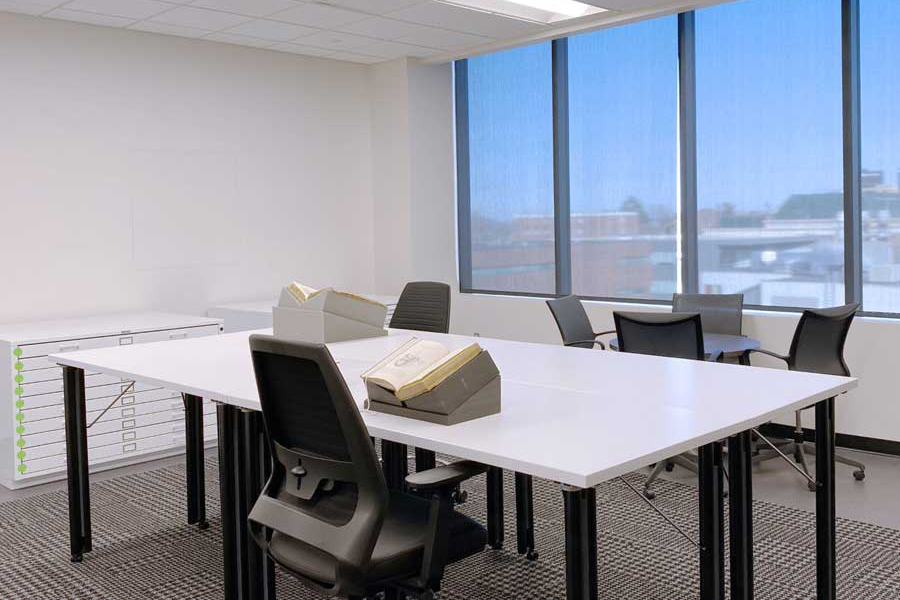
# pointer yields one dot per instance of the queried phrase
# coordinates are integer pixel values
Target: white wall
(873, 410)
(140, 171)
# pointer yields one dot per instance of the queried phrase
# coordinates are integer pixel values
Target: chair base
(687, 461)
(799, 450)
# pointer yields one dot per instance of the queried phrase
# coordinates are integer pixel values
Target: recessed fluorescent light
(539, 11)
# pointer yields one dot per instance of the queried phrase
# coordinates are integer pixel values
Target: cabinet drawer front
(57, 462)
(32, 350)
(92, 393)
(56, 409)
(106, 439)
(176, 334)
(105, 427)
(56, 385)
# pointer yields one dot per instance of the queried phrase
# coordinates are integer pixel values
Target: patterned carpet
(144, 548)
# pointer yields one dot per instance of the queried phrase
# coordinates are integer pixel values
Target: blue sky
(769, 110)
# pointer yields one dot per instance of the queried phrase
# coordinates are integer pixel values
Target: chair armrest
(747, 353)
(715, 356)
(444, 477)
(597, 342)
(598, 333)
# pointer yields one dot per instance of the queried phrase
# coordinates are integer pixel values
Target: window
(880, 145)
(770, 151)
(712, 151)
(623, 151)
(510, 137)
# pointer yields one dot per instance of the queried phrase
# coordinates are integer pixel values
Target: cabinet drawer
(56, 385)
(176, 334)
(32, 350)
(117, 451)
(210, 432)
(32, 416)
(121, 424)
(91, 393)
(119, 436)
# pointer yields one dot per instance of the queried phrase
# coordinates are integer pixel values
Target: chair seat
(398, 551)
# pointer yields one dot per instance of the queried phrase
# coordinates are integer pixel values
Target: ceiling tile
(29, 7)
(381, 28)
(375, 7)
(86, 17)
(443, 39)
(251, 8)
(188, 16)
(465, 20)
(272, 30)
(133, 9)
(300, 49)
(319, 15)
(163, 28)
(240, 40)
(357, 58)
(336, 41)
(386, 49)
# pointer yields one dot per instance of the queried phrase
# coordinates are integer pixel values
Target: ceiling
(362, 31)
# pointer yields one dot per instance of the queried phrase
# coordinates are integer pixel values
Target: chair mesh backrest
(818, 344)
(677, 335)
(312, 421)
(720, 313)
(423, 306)
(572, 320)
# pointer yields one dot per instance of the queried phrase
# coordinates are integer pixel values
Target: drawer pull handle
(129, 435)
(178, 336)
(68, 348)
(128, 424)
(127, 412)
(126, 341)
(129, 447)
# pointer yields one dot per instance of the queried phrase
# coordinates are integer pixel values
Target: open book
(303, 293)
(418, 366)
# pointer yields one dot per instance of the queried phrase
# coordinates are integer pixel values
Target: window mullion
(687, 148)
(562, 222)
(853, 289)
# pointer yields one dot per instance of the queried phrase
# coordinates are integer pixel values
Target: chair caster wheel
(460, 496)
(811, 487)
(77, 558)
(203, 525)
(670, 467)
(496, 546)
(859, 475)
(649, 494)
(531, 555)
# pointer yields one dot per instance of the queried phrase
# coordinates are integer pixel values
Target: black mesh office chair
(676, 335)
(574, 324)
(423, 306)
(720, 313)
(817, 347)
(326, 514)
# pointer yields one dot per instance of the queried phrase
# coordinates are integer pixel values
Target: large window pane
(770, 180)
(623, 111)
(511, 170)
(880, 93)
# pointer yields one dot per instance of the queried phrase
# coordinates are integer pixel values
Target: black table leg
(495, 507)
(712, 523)
(425, 459)
(395, 464)
(740, 500)
(525, 516)
(233, 538)
(260, 568)
(194, 452)
(825, 505)
(581, 543)
(77, 463)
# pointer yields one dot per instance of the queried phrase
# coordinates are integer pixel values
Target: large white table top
(576, 416)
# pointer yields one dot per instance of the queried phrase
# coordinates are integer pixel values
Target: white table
(571, 416)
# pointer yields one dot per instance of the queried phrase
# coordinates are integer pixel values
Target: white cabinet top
(571, 415)
(265, 306)
(111, 324)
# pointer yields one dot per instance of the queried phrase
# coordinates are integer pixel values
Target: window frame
(687, 242)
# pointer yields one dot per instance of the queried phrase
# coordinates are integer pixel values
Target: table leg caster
(77, 558)
(203, 525)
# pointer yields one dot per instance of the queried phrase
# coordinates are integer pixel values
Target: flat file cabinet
(129, 422)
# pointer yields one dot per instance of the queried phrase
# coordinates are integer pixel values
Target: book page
(406, 364)
(301, 292)
(437, 372)
(358, 297)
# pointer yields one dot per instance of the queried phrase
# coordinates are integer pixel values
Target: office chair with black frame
(817, 347)
(326, 514)
(574, 324)
(674, 335)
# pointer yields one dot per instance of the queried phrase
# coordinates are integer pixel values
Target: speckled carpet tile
(143, 548)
